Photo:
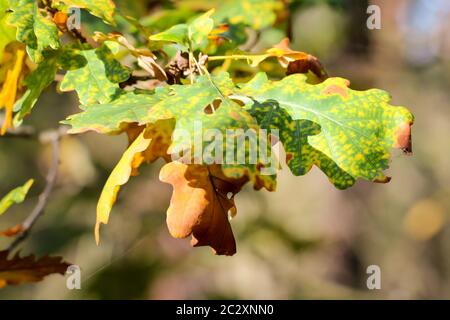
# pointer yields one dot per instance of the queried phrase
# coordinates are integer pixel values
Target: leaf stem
(236, 57)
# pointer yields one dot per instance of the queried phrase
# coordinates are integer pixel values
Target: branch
(52, 137)
(21, 132)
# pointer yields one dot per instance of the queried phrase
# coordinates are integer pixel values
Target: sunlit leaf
(192, 35)
(353, 129)
(36, 82)
(7, 32)
(9, 89)
(103, 9)
(201, 200)
(36, 31)
(110, 117)
(202, 107)
(293, 61)
(16, 195)
(96, 81)
(254, 13)
(118, 177)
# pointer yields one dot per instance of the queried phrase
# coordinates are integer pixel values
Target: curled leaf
(9, 89)
(119, 176)
(145, 58)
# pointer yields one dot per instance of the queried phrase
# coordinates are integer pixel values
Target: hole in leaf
(211, 108)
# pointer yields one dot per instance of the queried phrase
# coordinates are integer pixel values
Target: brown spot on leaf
(384, 179)
(289, 156)
(403, 138)
(335, 89)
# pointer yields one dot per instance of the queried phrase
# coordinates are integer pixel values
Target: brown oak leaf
(202, 200)
(19, 270)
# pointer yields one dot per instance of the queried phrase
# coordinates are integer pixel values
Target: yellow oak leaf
(9, 90)
(119, 176)
(146, 144)
(160, 132)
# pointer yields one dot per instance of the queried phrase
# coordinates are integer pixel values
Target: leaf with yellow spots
(103, 9)
(198, 108)
(9, 89)
(7, 32)
(111, 117)
(203, 109)
(16, 195)
(257, 14)
(145, 58)
(35, 27)
(347, 133)
(97, 80)
(36, 82)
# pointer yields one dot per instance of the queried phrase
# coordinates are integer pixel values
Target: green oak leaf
(103, 9)
(64, 58)
(110, 117)
(36, 31)
(178, 34)
(300, 155)
(257, 14)
(16, 195)
(192, 35)
(206, 103)
(353, 129)
(97, 80)
(36, 82)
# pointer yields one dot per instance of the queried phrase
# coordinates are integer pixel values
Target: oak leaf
(34, 29)
(19, 270)
(16, 195)
(9, 89)
(202, 200)
(118, 177)
(347, 133)
(7, 32)
(257, 14)
(103, 9)
(97, 80)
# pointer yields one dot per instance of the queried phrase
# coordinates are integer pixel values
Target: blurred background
(307, 239)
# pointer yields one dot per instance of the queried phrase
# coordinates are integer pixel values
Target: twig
(54, 138)
(21, 132)
(252, 41)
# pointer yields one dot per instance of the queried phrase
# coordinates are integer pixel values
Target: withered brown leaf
(19, 270)
(202, 200)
